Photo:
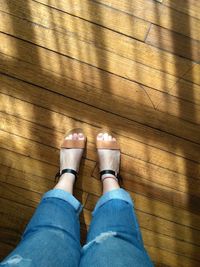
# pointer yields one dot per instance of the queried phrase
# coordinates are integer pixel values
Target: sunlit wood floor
(129, 66)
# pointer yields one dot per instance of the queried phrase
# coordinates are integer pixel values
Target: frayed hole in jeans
(100, 238)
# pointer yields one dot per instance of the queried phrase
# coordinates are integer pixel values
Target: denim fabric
(52, 237)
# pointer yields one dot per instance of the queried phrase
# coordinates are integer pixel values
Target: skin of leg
(52, 237)
(66, 183)
(110, 184)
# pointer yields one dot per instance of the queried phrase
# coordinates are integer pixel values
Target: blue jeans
(52, 237)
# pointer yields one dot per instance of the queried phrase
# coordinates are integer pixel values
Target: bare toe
(75, 136)
(80, 136)
(109, 138)
(100, 136)
(105, 136)
(69, 137)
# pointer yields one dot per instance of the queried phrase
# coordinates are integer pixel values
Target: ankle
(68, 176)
(66, 182)
(110, 183)
(108, 176)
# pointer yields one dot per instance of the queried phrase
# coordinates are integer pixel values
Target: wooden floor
(131, 66)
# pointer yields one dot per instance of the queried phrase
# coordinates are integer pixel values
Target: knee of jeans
(16, 260)
(100, 239)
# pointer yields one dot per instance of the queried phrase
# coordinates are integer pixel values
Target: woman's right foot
(70, 158)
(109, 159)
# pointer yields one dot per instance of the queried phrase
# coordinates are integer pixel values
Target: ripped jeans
(52, 237)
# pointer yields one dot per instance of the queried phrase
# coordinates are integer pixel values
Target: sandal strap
(118, 176)
(73, 144)
(59, 174)
(107, 172)
(112, 145)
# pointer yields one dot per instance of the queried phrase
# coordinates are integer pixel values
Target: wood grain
(128, 67)
(63, 106)
(160, 14)
(174, 43)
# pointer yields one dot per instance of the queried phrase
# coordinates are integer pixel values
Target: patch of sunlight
(8, 44)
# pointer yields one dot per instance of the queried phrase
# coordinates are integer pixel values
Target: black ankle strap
(58, 174)
(119, 178)
(107, 172)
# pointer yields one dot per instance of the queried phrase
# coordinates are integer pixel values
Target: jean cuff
(61, 194)
(114, 194)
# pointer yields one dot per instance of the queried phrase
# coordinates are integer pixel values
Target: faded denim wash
(52, 237)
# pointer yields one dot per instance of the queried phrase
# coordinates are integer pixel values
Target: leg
(52, 237)
(114, 237)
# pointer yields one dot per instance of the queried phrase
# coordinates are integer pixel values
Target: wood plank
(36, 185)
(24, 194)
(193, 74)
(17, 214)
(137, 168)
(186, 90)
(89, 11)
(166, 243)
(174, 43)
(19, 195)
(164, 258)
(5, 249)
(28, 165)
(99, 57)
(153, 190)
(90, 75)
(25, 180)
(154, 207)
(190, 8)
(137, 149)
(63, 27)
(134, 92)
(158, 14)
(182, 109)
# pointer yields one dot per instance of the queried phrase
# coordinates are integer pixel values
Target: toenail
(109, 137)
(106, 135)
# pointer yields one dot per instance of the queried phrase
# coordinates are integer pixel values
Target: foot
(108, 159)
(70, 158)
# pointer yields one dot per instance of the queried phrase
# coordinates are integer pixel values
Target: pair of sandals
(80, 144)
